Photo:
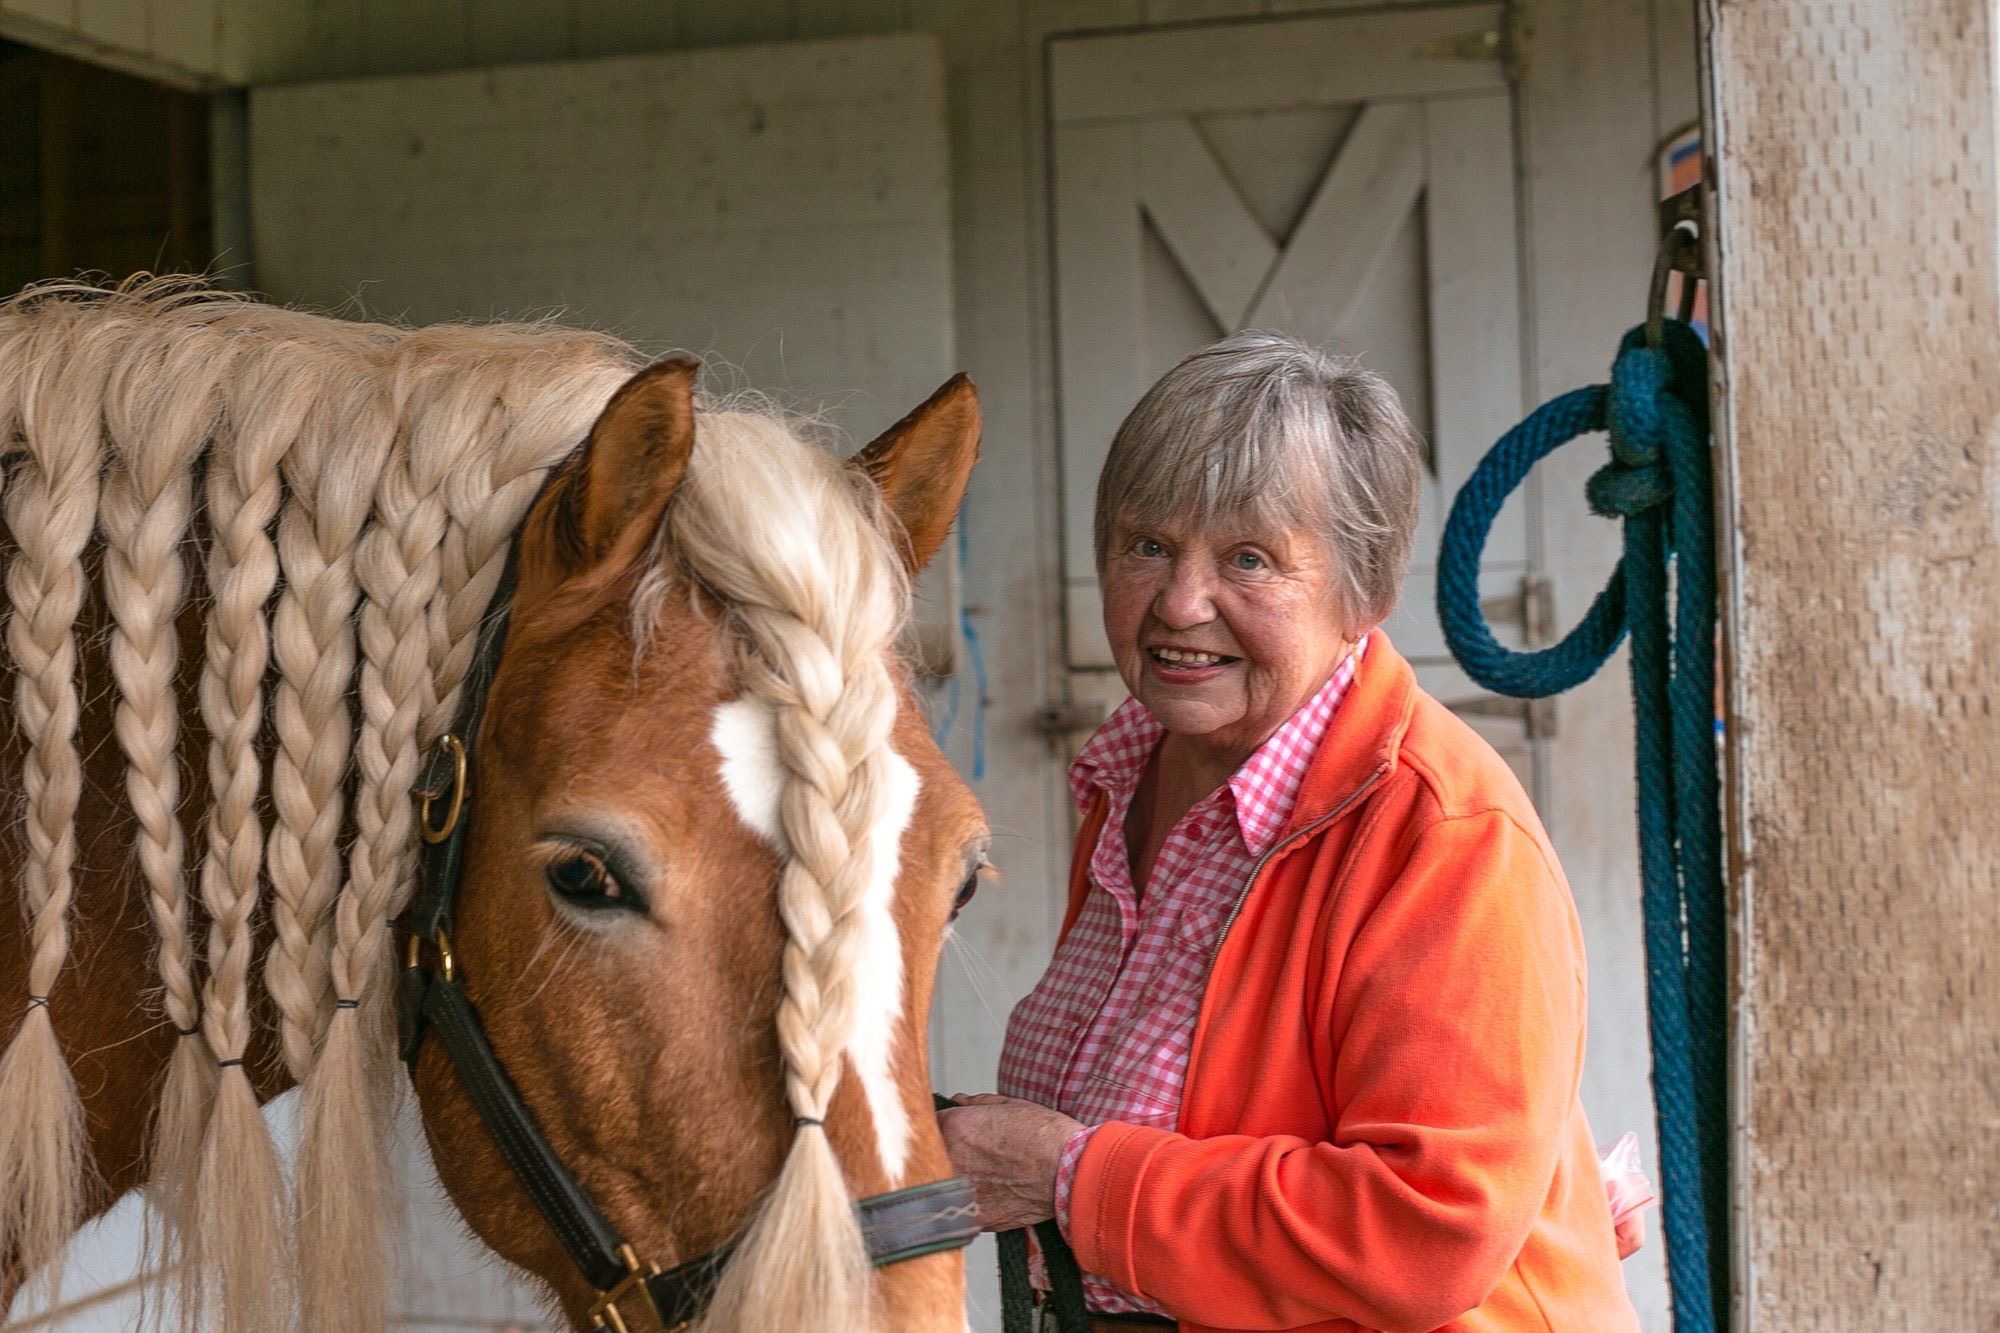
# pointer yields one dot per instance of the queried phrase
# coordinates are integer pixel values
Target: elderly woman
(1307, 1054)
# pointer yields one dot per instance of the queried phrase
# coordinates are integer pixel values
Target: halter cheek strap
(431, 998)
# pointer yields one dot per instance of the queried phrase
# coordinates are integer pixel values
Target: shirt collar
(1261, 792)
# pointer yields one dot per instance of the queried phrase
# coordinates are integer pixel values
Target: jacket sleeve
(1454, 1031)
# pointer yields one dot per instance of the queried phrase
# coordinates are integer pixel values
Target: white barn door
(1346, 179)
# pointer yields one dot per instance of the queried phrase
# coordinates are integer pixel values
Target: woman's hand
(1009, 1149)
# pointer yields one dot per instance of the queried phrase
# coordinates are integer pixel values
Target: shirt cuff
(1072, 1153)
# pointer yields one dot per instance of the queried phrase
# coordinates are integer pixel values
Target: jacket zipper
(1236, 909)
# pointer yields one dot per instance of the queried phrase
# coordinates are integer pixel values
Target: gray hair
(1263, 429)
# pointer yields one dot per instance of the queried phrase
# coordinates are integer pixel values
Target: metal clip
(1680, 252)
(452, 746)
(604, 1314)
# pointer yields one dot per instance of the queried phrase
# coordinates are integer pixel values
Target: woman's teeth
(1178, 657)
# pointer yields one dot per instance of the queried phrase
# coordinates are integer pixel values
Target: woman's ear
(600, 516)
(922, 464)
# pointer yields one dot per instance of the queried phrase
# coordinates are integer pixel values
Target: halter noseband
(431, 997)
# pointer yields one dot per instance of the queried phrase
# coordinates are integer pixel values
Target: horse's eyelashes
(971, 885)
(584, 880)
(965, 892)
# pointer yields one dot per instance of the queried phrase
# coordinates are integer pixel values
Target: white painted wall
(1604, 81)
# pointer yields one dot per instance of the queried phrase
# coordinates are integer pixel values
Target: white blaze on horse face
(745, 735)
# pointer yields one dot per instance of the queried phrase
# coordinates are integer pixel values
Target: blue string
(973, 653)
(975, 658)
(1658, 482)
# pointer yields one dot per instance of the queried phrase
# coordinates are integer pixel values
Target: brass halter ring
(437, 833)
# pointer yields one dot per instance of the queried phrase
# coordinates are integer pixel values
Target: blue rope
(1663, 594)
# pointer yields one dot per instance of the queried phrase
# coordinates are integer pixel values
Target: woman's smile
(1171, 665)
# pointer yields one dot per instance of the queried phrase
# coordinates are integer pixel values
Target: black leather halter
(431, 997)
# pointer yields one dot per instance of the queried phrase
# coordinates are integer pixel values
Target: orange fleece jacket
(1380, 1127)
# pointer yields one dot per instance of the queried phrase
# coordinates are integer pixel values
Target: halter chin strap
(431, 998)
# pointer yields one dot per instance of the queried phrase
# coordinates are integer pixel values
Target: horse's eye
(583, 880)
(965, 892)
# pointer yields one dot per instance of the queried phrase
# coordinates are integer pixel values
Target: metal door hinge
(1536, 716)
(1057, 719)
(1507, 44)
(1531, 607)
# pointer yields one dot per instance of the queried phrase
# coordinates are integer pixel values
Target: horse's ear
(605, 512)
(922, 464)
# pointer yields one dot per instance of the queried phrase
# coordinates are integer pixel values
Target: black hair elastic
(189, 1032)
(224, 1064)
(38, 1001)
(799, 1121)
(347, 1004)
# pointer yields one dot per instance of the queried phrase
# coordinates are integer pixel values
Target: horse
(262, 566)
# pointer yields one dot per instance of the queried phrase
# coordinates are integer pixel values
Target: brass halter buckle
(604, 1314)
(436, 833)
(413, 956)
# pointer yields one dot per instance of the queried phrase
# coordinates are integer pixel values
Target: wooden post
(1856, 231)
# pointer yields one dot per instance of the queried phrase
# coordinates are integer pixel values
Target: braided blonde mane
(353, 490)
(342, 474)
(793, 546)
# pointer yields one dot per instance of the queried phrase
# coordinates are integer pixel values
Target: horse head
(711, 856)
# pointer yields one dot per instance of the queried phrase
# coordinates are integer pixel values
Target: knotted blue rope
(1663, 594)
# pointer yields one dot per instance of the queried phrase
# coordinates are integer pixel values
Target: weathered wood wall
(1859, 316)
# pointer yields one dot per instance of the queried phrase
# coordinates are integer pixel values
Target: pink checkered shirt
(1105, 1034)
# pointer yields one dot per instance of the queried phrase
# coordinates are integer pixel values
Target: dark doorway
(99, 172)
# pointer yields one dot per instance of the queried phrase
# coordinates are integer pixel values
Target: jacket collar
(1366, 737)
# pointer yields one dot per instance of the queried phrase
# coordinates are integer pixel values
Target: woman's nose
(1187, 599)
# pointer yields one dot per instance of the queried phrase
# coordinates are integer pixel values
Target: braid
(817, 599)
(342, 1237)
(239, 1196)
(146, 509)
(331, 477)
(397, 566)
(50, 506)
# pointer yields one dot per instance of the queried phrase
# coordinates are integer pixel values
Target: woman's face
(1222, 634)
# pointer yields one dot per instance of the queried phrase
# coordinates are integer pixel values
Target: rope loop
(1656, 396)
(1489, 662)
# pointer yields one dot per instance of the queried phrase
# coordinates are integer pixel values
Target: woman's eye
(1249, 561)
(583, 880)
(1148, 548)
